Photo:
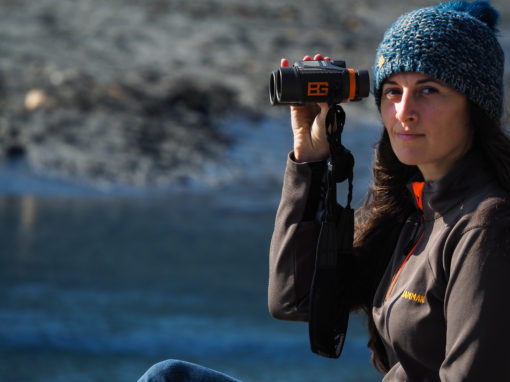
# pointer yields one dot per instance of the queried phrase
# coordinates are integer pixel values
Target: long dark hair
(389, 203)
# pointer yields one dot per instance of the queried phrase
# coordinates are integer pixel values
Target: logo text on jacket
(413, 296)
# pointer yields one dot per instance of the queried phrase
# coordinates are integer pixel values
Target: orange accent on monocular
(318, 89)
(352, 83)
(400, 269)
(418, 190)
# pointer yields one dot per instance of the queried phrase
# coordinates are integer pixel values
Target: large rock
(141, 130)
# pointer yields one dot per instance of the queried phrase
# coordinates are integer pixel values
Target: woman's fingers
(285, 63)
(319, 57)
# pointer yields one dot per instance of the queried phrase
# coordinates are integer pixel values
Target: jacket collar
(439, 196)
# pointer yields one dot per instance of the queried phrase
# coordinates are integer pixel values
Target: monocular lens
(272, 88)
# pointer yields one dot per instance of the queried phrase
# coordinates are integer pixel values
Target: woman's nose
(406, 108)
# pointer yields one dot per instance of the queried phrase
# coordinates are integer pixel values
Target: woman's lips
(409, 136)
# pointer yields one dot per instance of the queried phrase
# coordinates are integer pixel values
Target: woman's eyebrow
(429, 80)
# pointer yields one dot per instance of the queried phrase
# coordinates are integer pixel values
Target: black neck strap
(329, 309)
(341, 165)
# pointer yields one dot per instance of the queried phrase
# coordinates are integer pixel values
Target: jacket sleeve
(476, 304)
(292, 250)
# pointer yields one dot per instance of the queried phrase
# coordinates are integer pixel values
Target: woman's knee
(175, 371)
(169, 370)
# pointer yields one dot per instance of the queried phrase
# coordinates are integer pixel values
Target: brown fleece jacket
(440, 307)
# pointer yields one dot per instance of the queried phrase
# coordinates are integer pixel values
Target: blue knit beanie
(454, 42)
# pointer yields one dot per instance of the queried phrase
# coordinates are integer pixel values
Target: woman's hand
(310, 143)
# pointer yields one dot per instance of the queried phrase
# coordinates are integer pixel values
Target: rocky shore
(132, 92)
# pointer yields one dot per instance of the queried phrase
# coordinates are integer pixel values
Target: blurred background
(140, 172)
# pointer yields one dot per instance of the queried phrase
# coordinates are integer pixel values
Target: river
(97, 285)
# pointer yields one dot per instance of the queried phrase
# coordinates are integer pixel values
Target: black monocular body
(317, 81)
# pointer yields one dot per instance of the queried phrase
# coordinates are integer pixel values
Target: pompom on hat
(454, 42)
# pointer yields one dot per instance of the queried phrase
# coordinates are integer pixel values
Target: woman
(432, 243)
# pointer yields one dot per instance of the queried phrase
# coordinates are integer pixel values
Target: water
(99, 285)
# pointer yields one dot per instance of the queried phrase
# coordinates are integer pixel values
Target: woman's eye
(429, 90)
(392, 92)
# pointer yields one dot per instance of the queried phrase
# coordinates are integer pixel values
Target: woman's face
(427, 122)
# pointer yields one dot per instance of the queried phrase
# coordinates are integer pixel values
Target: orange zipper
(400, 269)
(417, 190)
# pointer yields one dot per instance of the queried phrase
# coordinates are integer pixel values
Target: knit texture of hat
(453, 42)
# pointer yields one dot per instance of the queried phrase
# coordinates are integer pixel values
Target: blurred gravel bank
(135, 92)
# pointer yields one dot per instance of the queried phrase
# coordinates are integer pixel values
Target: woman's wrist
(305, 159)
(300, 157)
